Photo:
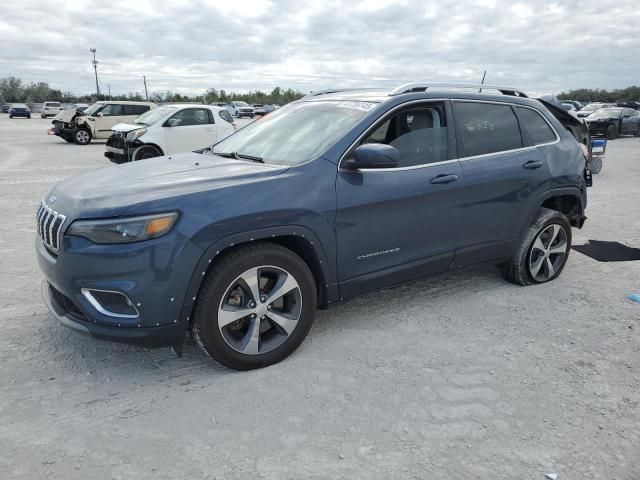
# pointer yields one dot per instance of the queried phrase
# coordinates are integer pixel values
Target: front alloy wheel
(260, 310)
(82, 136)
(255, 306)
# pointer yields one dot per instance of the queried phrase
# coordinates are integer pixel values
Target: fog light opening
(111, 303)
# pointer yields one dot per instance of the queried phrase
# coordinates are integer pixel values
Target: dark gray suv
(341, 192)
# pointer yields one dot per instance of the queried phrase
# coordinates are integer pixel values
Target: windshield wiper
(239, 156)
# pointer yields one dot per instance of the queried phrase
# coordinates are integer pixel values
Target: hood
(165, 181)
(126, 127)
(67, 115)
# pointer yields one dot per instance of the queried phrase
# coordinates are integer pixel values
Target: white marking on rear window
(365, 106)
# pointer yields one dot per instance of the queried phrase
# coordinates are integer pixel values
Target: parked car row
(241, 109)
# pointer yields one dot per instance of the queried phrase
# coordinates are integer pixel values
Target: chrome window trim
(86, 292)
(459, 159)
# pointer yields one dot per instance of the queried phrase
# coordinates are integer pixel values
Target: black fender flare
(329, 289)
(555, 192)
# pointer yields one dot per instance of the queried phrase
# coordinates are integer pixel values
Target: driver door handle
(444, 178)
(532, 164)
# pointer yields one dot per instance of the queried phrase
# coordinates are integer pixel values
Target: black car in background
(592, 107)
(614, 121)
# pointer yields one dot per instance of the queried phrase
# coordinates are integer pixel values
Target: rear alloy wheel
(82, 136)
(596, 165)
(146, 151)
(255, 307)
(543, 251)
(612, 132)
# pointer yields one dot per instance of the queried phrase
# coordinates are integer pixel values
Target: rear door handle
(532, 164)
(444, 178)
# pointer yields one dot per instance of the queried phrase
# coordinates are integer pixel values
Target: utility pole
(109, 87)
(146, 94)
(95, 69)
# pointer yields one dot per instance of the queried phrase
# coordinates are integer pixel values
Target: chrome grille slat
(49, 226)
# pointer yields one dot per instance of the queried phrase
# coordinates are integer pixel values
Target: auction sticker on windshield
(365, 106)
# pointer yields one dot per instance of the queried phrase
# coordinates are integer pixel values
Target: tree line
(14, 90)
(602, 95)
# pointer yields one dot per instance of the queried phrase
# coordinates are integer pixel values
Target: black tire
(517, 270)
(612, 132)
(146, 151)
(10, 116)
(82, 136)
(596, 165)
(222, 277)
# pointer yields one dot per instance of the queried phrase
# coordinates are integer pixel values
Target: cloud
(307, 45)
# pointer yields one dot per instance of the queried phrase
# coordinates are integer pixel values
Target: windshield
(52, 104)
(154, 115)
(240, 104)
(18, 105)
(296, 133)
(606, 113)
(94, 108)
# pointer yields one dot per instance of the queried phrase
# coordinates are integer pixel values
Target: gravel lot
(460, 376)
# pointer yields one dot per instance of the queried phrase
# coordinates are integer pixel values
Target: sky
(240, 45)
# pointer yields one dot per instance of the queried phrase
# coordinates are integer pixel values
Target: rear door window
(536, 127)
(134, 109)
(485, 128)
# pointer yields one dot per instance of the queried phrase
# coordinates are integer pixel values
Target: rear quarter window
(485, 128)
(226, 116)
(536, 127)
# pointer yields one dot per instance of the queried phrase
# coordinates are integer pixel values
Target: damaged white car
(167, 130)
(77, 126)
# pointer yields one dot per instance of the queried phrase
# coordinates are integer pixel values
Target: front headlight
(124, 230)
(134, 134)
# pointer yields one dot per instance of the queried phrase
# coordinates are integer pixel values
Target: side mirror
(373, 155)
(99, 114)
(626, 115)
(173, 122)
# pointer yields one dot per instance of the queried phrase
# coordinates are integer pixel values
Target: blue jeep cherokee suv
(333, 195)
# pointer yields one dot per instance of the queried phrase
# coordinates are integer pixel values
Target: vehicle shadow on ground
(73, 351)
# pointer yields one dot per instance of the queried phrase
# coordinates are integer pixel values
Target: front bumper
(154, 275)
(170, 335)
(118, 149)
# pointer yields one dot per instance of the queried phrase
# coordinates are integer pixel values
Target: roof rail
(422, 87)
(327, 91)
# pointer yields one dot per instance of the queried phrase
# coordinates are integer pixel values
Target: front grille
(49, 226)
(65, 303)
